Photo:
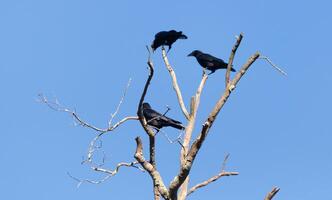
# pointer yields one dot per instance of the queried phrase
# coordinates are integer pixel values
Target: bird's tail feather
(177, 124)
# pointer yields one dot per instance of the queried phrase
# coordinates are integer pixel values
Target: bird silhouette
(166, 38)
(209, 62)
(157, 120)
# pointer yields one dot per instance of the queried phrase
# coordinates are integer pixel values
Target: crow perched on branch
(166, 38)
(209, 62)
(158, 120)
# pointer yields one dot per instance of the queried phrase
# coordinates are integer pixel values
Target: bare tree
(179, 188)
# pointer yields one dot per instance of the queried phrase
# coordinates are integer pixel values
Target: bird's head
(182, 36)
(153, 47)
(195, 53)
(146, 105)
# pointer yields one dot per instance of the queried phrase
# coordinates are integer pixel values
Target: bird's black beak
(191, 54)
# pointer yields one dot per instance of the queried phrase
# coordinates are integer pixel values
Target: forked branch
(195, 147)
(157, 180)
(55, 105)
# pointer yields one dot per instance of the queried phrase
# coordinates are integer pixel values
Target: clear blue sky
(277, 130)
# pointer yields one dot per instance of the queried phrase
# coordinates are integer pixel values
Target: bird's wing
(158, 116)
(211, 60)
(160, 34)
(220, 60)
(173, 120)
(152, 114)
(207, 59)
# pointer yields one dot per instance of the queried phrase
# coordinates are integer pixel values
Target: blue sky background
(277, 129)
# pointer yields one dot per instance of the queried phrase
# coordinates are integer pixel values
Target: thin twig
(120, 103)
(222, 173)
(168, 109)
(210, 180)
(80, 181)
(58, 107)
(118, 166)
(109, 173)
(273, 65)
(178, 139)
(92, 149)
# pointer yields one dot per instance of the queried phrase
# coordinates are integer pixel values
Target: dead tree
(179, 188)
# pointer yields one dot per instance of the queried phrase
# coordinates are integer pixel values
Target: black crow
(209, 62)
(158, 120)
(166, 38)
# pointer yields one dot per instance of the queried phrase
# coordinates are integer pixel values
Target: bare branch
(152, 145)
(168, 109)
(210, 180)
(242, 71)
(58, 107)
(231, 58)
(271, 194)
(222, 173)
(156, 193)
(171, 141)
(92, 149)
(158, 189)
(118, 166)
(273, 65)
(175, 84)
(157, 180)
(120, 122)
(221, 102)
(140, 115)
(109, 173)
(80, 181)
(186, 166)
(194, 103)
(120, 103)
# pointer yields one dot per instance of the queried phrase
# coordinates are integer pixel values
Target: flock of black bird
(207, 61)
